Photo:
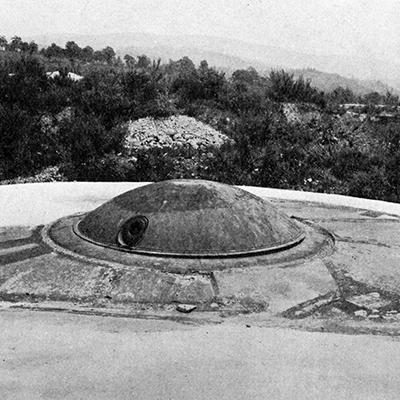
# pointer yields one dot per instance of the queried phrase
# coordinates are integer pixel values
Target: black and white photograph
(199, 199)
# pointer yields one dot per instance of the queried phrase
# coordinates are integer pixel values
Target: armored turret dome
(190, 218)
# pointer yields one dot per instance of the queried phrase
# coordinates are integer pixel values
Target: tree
(15, 44)
(282, 87)
(184, 80)
(32, 48)
(373, 98)
(3, 43)
(130, 61)
(247, 76)
(246, 91)
(53, 51)
(87, 53)
(98, 56)
(143, 62)
(391, 99)
(211, 81)
(72, 50)
(108, 54)
(85, 141)
(342, 95)
(24, 147)
(26, 86)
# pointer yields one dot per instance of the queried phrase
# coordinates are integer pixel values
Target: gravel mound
(180, 130)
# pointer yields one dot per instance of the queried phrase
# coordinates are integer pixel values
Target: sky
(345, 27)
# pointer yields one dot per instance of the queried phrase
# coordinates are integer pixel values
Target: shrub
(24, 147)
(85, 142)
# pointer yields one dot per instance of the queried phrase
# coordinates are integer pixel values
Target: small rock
(214, 306)
(186, 308)
(360, 313)
(389, 317)
(370, 301)
(375, 295)
(335, 312)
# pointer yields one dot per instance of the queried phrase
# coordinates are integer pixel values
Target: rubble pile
(173, 131)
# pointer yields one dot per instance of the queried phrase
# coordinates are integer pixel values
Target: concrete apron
(36, 273)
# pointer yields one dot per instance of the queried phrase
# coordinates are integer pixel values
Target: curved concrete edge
(40, 203)
(326, 198)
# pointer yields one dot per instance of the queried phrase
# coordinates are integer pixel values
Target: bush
(283, 87)
(372, 184)
(24, 147)
(85, 142)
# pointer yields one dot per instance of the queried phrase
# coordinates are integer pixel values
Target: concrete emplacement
(87, 320)
(180, 241)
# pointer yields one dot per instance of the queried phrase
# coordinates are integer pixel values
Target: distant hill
(226, 62)
(325, 71)
(321, 80)
(327, 82)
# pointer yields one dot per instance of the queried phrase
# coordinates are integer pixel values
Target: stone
(370, 301)
(185, 308)
(389, 317)
(361, 313)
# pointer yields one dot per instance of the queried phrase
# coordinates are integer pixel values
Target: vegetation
(78, 126)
